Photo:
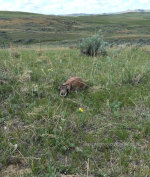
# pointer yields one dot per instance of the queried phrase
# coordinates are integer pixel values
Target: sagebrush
(94, 45)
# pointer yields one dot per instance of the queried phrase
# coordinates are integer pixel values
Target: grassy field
(43, 134)
(29, 28)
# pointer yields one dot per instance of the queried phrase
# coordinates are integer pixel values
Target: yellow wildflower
(51, 69)
(80, 109)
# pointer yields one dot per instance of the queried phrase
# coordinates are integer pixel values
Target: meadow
(102, 131)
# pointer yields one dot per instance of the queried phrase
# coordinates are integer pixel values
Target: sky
(58, 7)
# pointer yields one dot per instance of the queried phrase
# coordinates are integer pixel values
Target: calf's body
(73, 83)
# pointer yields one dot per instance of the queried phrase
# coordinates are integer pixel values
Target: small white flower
(16, 146)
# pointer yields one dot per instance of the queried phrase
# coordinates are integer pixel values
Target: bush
(94, 45)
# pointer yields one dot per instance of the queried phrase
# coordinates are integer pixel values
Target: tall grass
(47, 135)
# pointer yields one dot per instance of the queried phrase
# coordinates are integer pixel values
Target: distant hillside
(121, 12)
(136, 10)
(77, 14)
(28, 28)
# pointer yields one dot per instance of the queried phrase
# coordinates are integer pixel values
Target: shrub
(94, 45)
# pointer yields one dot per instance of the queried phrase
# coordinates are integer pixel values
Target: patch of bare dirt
(14, 170)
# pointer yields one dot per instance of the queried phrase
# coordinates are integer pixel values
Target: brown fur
(73, 83)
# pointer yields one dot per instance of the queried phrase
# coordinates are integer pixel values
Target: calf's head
(64, 89)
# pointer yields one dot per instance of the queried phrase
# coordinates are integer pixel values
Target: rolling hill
(28, 28)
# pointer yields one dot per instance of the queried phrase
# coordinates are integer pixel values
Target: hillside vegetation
(29, 28)
(102, 131)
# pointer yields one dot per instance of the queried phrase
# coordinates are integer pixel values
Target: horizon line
(83, 13)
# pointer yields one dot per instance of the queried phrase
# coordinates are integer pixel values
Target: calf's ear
(68, 88)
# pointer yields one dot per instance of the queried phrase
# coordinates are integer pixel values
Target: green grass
(46, 135)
